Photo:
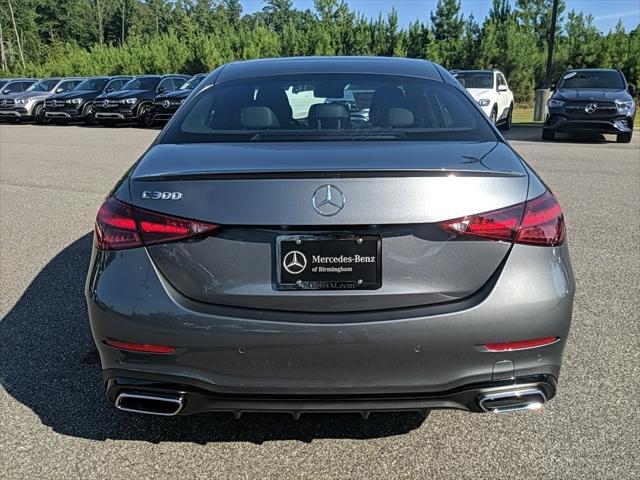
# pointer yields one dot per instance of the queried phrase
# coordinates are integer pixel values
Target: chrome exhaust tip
(508, 401)
(149, 404)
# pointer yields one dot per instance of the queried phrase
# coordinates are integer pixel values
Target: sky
(605, 12)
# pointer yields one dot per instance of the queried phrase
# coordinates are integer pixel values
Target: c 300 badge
(154, 195)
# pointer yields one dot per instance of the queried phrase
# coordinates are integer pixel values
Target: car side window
(178, 82)
(66, 86)
(166, 85)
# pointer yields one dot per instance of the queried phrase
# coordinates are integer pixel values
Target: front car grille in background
(172, 103)
(7, 103)
(107, 103)
(601, 108)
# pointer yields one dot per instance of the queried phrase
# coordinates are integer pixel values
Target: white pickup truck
(490, 89)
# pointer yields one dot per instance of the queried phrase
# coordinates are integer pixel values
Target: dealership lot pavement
(56, 423)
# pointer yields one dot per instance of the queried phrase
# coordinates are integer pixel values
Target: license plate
(329, 263)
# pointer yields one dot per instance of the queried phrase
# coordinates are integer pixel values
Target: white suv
(489, 88)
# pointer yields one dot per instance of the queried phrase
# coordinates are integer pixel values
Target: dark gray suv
(591, 100)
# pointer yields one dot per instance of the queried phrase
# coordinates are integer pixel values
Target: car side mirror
(59, 90)
(502, 88)
(632, 89)
(5, 92)
(108, 90)
(552, 87)
(162, 89)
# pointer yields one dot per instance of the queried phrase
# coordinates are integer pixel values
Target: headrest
(258, 118)
(399, 117)
(324, 111)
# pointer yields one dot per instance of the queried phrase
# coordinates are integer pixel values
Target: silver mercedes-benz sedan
(278, 249)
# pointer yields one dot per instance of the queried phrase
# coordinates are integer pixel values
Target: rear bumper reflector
(139, 347)
(519, 345)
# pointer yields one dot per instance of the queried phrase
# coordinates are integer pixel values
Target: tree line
(94, 37)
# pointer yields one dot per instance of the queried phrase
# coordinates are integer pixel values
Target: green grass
(525, 115)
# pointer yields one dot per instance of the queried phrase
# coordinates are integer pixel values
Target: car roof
(22, 79)
(301, 65)
(476, 70)
(593, 70)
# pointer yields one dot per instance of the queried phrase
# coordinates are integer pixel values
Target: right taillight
(535, 222)
(120, 226)
(543, 222)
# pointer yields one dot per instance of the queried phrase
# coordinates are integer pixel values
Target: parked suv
(166, 104)
(134, 102)
(29, 105)
(15, 85)
(591, 100)
(78, 104)
(490, 89)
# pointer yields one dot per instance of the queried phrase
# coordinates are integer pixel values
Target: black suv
(134, 102)
(78, 104)
(166, 104)
(591, 100)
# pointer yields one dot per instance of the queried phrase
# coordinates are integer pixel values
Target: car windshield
(92, 84)
(192, 83)
(600, 79)
(475, 79)
(11, 86)
(142, 83)
(43, 85)
(329, 107)
(115, 84)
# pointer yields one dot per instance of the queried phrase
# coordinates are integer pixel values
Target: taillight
(535, 222)
(119, 226)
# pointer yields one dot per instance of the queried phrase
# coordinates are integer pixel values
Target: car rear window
(328, 107)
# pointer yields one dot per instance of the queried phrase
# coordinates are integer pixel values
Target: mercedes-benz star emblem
(165, 104)
(328, 200)
(105, 103)
(294, 262)
(590, 108)
(4, 103)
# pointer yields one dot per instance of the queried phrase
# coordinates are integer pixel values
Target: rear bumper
(196, 397)
(412, 357)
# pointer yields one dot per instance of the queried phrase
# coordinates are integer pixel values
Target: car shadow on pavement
(49, 363)
(533, 133)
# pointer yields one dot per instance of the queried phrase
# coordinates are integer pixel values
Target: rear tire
(624, 137)
(507, 123)
(549, 135)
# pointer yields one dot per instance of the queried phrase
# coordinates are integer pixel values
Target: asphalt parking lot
(56, 423)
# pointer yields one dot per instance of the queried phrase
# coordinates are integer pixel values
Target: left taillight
(536, 222)
(119, 226)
